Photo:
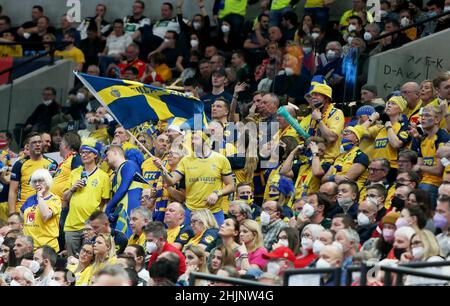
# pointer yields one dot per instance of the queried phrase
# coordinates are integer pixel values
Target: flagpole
(99, 99)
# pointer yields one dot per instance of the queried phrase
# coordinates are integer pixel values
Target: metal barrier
(335, 271)
(401, 271)
(193, 276)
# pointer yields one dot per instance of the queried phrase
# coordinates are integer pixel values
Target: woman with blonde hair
(104, 253)
(205, 228)
(251, 237)
(424, 247)
(196, 261)
(428, 93)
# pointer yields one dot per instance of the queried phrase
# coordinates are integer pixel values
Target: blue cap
(365, 110)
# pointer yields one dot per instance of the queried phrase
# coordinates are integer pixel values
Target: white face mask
(34, 266)
(446, 9)
(344, 203)
(338, 245)
(89, 126)
(307, 50)
(308, 210)
(351, 28)
(307, 243)
(363, 220)
(2, 239)
(80, 97)
(47, 102)
(315, 35)
(265, 218)
(166, 40)
(151, 247)
(225, 28)
(283, 242)
(418, 252)
(26, 35)
(349, 39)
(317, 246)
(322, 263)
(289, 71)
(196, 25)
(331, 55)
(273, 268)
(367, 36)
(14, 283)
(194, 43)
(404, 21)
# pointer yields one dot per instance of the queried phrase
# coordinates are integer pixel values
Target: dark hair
(141, 3)
(291, 17)
(39, 8)
(66, 272)
(242, 185)
(175, 34)
(9, 242)
(409, 154)
(130, 261)
(49, 253)
(133, 70)
(378, 187)
(417, 211)
(6, 19)
(393, 21)
(346, 220)
(260, 16)
(423, 201)
(52, 89)
(440, 77)
(169, 5)
(438, 3)
(157, 229)
(98, 214)
(118, 21)
(360, 22)
(323, 200)
(293, 237)
(140, 252)
(445, 199)
(352, 184)
(412, 175)
(31, 135)
(164, 269)
(133, 276)
(191, 82)
(73, 141)
(158, 58)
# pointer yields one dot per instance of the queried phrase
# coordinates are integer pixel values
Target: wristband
(218, 192)
(370, 120)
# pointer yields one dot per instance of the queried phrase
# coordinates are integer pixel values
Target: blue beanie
(365, 110)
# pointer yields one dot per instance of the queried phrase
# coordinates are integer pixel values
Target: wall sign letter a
(74, 13)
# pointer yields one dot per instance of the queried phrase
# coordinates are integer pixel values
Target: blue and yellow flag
(132, 103)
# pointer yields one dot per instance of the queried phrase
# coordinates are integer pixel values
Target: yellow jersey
(101, 134)
(334, 119)
(202, 177)
(413, 114)
(347, 14)
(426, 149)
(43, 233)
(137, 239)
(88, 199)
(74, 54)
(383, 148)
(81, 277)
(306, 182)
(22, 171)
(367, 143)
(151, 173)
(62, 175)
(345, 161)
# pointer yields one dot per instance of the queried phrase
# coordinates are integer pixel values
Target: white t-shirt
(162, 26)
(117, 45)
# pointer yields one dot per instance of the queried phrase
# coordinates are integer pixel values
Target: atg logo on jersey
(381, 143)
(152, 175)
(428, 161)
(94, 183)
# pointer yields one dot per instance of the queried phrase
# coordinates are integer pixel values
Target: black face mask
(397, 203)
(193, 65)
(318, 104)
(398, 253)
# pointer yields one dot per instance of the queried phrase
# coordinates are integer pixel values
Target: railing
(401, 271)
(193, 276)
(335, 271)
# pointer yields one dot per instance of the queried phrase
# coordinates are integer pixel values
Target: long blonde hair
(201, 254)
(255, 228)
(206, 217)
(100, 262)
(430, 243)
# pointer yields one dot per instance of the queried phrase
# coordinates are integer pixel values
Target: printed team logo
(428, 161)
(209, 239)
(403, 134)
(213, 167)
(381, 143)
(115, 93)
(31, 217)
(184, 236)
(94, 182)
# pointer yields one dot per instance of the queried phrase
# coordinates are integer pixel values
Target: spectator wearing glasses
(89, 191)
(407, 159)
(205, 228)
(411, 92)
(378, 173)
(81, 267)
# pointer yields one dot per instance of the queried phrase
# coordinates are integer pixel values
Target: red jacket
(137, 63)
(170, 248)
(303, 261)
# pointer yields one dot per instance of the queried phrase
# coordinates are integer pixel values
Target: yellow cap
(358, 130)
(323, 89)
(400, 101)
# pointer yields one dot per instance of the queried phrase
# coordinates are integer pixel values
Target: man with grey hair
(139, 218)
(367, 220)
(411, 92)
(178, 233)
(22, 276)
(132, 60)
(113, 275)
(330, 257)
(349, 240)
(23, 245)
(240, 210)
(217, 62)
(331, 61)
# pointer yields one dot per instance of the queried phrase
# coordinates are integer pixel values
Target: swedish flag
(132, 103)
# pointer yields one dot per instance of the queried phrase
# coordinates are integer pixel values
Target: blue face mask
(347, 145)
(274, 196)
(431, 14)
(247, 198)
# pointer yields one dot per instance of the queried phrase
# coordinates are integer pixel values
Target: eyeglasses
(194, 221)
(375, 169)
(86, 251)
(85, 152)
(403, 161)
